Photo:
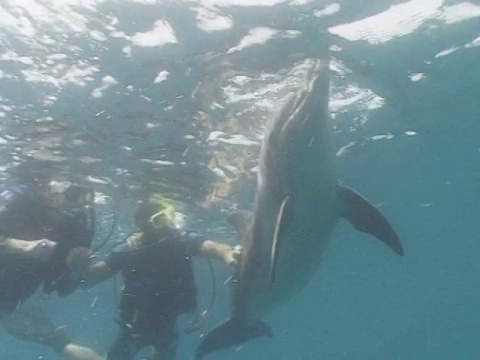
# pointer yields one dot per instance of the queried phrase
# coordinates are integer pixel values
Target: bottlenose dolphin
(298, 201)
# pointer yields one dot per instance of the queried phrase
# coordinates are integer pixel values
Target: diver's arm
(97, 273)
(104, 269)
(230, 255)
(32, 249)
(11, 246)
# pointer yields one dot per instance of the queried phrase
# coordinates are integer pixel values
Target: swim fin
(229, 334)
(32, 324)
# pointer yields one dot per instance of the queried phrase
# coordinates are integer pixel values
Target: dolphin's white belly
(310, 219)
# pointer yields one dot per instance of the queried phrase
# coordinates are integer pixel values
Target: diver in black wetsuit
(158, 283)
(46, 229)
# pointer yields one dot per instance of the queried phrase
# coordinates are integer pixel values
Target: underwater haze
(173, 96)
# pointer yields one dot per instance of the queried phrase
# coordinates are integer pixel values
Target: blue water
(82, 84)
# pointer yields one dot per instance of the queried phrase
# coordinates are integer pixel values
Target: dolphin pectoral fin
(228, 334)
(365, 217)
(276, 240)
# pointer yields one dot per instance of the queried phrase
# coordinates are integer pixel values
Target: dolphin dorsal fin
(276, 240)
(240, 220)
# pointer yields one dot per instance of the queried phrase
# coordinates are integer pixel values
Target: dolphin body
(298, 201)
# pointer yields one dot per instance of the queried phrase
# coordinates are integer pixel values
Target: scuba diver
(159, 285)
(46, 230)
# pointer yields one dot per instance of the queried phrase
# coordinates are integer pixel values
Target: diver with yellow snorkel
(159, 283)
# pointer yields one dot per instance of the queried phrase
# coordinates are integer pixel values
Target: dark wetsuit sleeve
(193, 243)
(116, 260)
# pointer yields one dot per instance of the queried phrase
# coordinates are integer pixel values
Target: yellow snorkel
(166, 215)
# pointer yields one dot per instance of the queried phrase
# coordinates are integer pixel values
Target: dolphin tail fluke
(365, 217)
(229, 334)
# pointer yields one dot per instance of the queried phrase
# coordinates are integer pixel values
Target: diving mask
(166, 216)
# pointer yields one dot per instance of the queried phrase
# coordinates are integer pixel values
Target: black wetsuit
(28, 219)
(18, 281)
(158, 286)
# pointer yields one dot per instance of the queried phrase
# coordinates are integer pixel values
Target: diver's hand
(78, 260)
(233, 256)
(40, 250)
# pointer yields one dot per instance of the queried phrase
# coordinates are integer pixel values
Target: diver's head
(34, 173)
(58, 207)
(69, 197)
(155, 215)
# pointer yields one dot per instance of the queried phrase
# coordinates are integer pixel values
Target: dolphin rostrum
(298, 201)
